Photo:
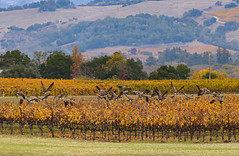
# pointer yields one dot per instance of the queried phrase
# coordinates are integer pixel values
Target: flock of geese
(46, 93)
(156, 94)
(112, 95)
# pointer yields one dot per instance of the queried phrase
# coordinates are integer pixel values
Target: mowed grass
(31, 145)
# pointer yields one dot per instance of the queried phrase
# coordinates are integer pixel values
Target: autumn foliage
(121, 120)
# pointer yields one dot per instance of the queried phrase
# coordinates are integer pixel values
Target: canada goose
(152, 93)
(202, 91)
(124, 88)
(113, 95)
(46, 91)
(69, 101)
(161, 96)
(187, 96)
(102, 91)
(175, 91)
(60, 96)
(100, 96)
(218, 99)
(215, 95)
(21, 94)
(141, 94)
(38, 99)
(124, 92)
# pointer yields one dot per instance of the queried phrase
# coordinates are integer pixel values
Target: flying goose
(219, 98)
(202, 91)
(46, 91)
(161, 96)
(175, 91)
(141, 94)
(152, 93)
(187, 96)
(69, 101)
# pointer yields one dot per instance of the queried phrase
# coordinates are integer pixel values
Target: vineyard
(175, 119)
(87, 87)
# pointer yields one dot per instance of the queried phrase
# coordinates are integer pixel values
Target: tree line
(178, 55)
(56, 65)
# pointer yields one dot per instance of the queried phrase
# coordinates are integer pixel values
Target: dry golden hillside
(227, 15)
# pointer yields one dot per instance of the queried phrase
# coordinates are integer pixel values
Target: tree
(134, 70)
(40, 57)
(21, 71)
(116, 65)
(58, 66)
(151, 61)
(223, 56)
(49, 5)
(164, 72)
(183, 71)
(16, 64)
(77, 61)
(170, 72)
(95, 68)
(63, 3)
(14, 57)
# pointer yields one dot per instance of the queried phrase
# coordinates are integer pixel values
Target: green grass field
(32, 145)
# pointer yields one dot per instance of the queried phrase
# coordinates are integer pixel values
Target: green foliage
(36, 27)
(57, 66)
(16, 64)
(15, 28)
(170, 72)
(213, 76)
(21, 71)
(151, 61)
(222, 56)
(94, 68)
(193, 13)
(218, 3)
(230, 5)
(134, 70)
(49, 5)
(178, 55)
(14, 57)
(210, 21)
(115, 66)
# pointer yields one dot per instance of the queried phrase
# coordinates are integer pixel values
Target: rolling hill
(64, 18)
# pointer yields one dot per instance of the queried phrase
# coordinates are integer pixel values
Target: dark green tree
(58, 66)
(151, 61)
(16, 64)
(164, 72)
(49, 5)
(135, 70)
(94, 68)
(21, 71)
(206, 76)
(223, 56)
(14, 57)
(170, 72)
(63, 3)
(183, 71)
